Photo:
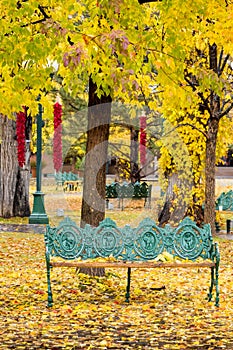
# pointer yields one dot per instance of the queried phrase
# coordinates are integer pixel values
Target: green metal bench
(59, 178)
(225, 201)
(69, 181)
(129, 247)
(128, 190)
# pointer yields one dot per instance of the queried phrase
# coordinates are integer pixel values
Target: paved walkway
(224, 172)
(27, 228)
(30, 228)
(225, 236)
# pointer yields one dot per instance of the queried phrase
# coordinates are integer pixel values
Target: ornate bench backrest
(145, 242)
(225, 200)
(112, 190)
(125, 190)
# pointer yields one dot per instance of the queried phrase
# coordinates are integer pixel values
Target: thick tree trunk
(209, 212)
(21, 200)
(9, 167)
(14, 182)
(99, 116)
(212, 132)
(93, 201)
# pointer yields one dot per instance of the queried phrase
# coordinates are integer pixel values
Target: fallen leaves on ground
(91, 312)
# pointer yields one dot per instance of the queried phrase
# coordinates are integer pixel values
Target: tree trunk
(93, 201)
(21, 200)
(9, 167)
(172, 212)
(212, 132)
(14, 182)
(209, 211)
(99, 116)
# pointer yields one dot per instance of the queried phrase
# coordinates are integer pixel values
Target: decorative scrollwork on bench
(225, 201)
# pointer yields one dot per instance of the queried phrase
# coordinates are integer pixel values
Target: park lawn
(91, 313)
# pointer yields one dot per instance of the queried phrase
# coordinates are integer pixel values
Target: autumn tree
(122, 46)
(194, 73)
(85, 41)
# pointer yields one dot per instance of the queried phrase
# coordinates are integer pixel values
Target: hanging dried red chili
(142, 145)
(20, 133)
(57, 140)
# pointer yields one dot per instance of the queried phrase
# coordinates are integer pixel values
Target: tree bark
(209, 211)
(211, 142)
(93, 200)
(99, 116)
(9, 167)
(21, 199)
(14, 182)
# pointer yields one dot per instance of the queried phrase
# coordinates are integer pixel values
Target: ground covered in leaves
(91, 313)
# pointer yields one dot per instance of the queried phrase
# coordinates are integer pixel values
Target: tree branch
(200, 94)
(145, 1)
(43, 12)
(192, 126)
(219, 62)
(227, 110)
(45, 16)
(224, 64)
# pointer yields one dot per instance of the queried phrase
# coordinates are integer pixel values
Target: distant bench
(108, 246)
(69, 181)
(225, 201)
(137, 190)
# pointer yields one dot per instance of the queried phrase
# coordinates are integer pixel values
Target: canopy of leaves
(119, 43)
(154, 54)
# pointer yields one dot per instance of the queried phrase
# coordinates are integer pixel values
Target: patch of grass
(14, 220)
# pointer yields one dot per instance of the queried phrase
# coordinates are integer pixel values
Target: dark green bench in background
(69, 181)
(129, 248)
(225, 203)
(122, 191)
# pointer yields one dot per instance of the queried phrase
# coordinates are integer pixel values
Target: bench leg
(127, 295)
(214, 282)
(216, 286)
(50, 294)
(211, 284)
